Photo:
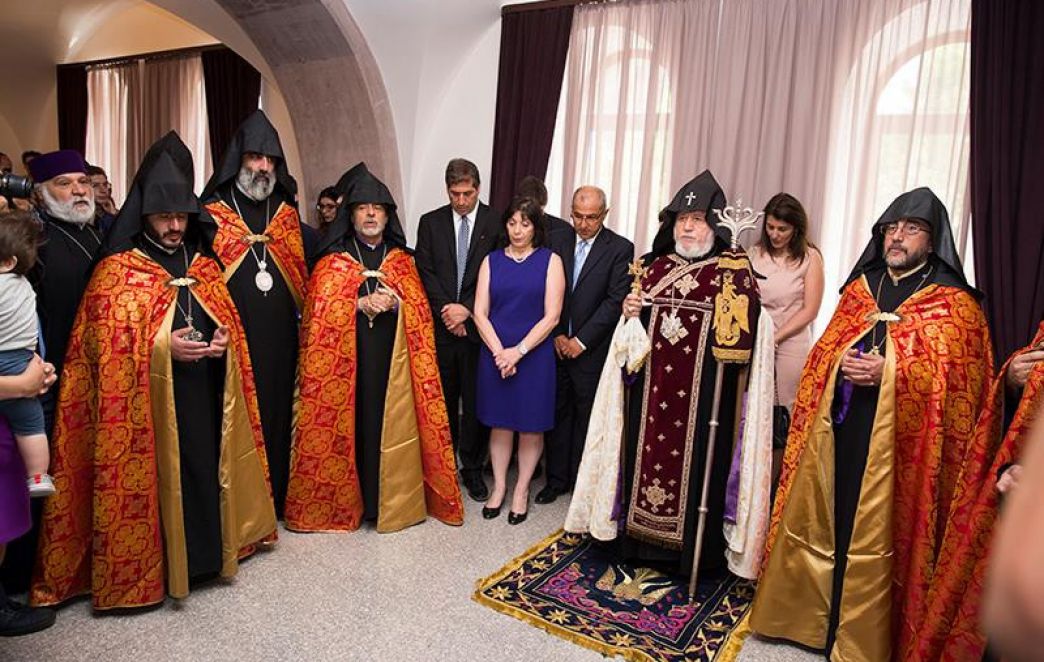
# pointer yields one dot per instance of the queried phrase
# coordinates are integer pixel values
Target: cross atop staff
(737, 219)
(637, 272)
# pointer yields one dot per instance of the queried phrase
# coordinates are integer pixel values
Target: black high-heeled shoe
(517, 518)
(491, 513)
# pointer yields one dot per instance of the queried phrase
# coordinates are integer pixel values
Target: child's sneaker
(40, 485)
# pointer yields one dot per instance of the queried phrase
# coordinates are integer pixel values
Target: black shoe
(516, 518)
(491, 513)
(548, 494)
(17, 619)
(476, 487)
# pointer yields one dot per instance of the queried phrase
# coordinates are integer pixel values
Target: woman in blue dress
(517, 304)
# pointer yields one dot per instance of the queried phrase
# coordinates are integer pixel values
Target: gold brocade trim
(168, 458)
(734, 263)
(731, 355)
(251, 238)
(730, 650)
(247, 511)
(867, 594)
(674, 539)
(630, 654)
(794, 594)
(401, 502)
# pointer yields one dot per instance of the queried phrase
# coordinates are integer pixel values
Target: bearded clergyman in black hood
(881, 433)
(157, 438)
(252, 199)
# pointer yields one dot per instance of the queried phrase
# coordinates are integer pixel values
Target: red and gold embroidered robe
(951, 622)
(416, 447)
(282, 238)
(115, 528)
(937, 368)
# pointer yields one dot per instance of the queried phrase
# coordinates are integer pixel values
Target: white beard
(699, 250)
(252, 186)
(67, 211)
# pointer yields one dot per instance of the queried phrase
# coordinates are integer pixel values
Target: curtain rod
(522, 7)
(155, 55)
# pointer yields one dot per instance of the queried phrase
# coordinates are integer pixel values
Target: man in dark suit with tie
(451, 243)
(596, 270)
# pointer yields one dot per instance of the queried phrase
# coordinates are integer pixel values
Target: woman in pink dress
(791, 291)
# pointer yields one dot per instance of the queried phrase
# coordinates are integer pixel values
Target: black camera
(15, 186)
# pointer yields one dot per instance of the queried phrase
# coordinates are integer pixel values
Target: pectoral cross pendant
(672, 329)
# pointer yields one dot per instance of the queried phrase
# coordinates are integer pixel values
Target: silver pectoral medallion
(263, 280)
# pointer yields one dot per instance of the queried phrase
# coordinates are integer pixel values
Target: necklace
(73, 239)
(366, 281)
(168, 251)
(194, 334)
(514, 258)
(671, 326)
(875, 346)
(262, 279)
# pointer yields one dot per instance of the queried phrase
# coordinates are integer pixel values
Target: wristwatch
(522, 349)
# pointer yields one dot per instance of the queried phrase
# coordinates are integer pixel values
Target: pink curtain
(844, 104)
(134, 103)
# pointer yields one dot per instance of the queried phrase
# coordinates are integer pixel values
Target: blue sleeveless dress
(524, 402)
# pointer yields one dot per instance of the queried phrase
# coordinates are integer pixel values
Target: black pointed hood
(255, 134)
(365, 189)
(923, 204)
(347, 181)
(702, 193)
(163, 183)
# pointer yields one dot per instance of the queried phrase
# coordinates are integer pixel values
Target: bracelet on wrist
(522, 349)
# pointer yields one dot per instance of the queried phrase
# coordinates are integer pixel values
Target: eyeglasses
(583, 218)
(908, 228)
(327, 206)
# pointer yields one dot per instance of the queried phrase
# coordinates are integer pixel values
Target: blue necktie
(462, 251)
(578, 261)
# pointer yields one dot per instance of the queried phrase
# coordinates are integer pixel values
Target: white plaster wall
(439, 64)
(138, 28)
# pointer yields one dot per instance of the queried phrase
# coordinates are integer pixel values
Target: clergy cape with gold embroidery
(687, 298)
(282, 238)
(115, 527)
(417, 467)
(952, 630)
(937, 366)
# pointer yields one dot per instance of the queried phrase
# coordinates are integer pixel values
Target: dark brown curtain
(1007, 165)
(72, 107)
(533, 47)
(233, 88)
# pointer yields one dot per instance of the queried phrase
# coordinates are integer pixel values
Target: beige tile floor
(361, 596)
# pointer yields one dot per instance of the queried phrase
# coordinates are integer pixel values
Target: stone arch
(317, 56)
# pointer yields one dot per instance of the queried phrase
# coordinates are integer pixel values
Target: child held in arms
(19, 332)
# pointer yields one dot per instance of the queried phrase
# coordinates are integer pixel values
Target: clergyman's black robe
(373, 350)
(271, 324)
(198, 396)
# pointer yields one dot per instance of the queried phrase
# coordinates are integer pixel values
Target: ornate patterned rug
(569, 586)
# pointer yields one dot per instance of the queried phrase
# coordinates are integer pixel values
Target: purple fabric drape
(1007, 165)
(533, 47)
(233, 88)
(14, 494)
(72, 107)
